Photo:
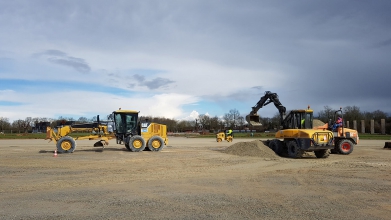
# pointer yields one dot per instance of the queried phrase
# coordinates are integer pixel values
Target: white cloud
(87, 104)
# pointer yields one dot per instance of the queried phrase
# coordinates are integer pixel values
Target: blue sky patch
(7, 103)
(26, 85)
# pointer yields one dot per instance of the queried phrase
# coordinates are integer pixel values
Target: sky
(181, 59)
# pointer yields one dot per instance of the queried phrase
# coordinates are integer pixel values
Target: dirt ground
(191, 178)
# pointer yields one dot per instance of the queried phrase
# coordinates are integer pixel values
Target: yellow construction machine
(296, 135)
(223, 136)
(344, 138)
(128, 130)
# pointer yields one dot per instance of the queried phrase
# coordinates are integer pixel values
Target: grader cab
(137, 135)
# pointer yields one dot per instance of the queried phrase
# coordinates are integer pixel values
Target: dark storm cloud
(307, 51)
(152, 84)
(385, 43)
(61, 58)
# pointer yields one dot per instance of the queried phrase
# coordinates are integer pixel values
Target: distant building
(40, 127)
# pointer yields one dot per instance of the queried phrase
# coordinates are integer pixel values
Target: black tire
(155, 143)
(127, 146)
(334, 151)
(136, 143)
(294, 150)
(322, 153)
(277, 146)
(345, 147)
(66, 145)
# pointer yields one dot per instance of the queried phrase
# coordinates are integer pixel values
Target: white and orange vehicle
(344, 138)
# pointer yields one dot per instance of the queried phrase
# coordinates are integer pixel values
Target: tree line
(232, 119)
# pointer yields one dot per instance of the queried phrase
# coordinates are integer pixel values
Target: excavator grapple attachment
(253, 120)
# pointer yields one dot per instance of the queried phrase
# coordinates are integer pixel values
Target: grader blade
(98, 144)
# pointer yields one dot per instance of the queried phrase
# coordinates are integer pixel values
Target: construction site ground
(192, 178)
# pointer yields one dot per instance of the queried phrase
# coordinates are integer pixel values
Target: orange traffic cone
(55, 153)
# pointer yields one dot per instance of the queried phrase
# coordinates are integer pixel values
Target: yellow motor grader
(128, 130)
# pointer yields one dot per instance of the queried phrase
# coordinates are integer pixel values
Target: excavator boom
(269, 97)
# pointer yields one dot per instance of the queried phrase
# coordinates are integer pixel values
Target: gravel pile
(317, 123)
(253, 148)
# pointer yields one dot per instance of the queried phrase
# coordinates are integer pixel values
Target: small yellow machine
(128, 130)
(222, 136)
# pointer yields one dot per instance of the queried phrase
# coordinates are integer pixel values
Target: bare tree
(275, 122)
(241, 122)
(326, 114)
(231, 118)
(82, 120)
(4, 123)
(27, 124)
(378, 115)
(352, 113)
(228, 120)
(214, 123)
(18, 125)
(204, 121)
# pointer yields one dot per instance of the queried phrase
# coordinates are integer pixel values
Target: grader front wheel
(136, 143)
(66, 145)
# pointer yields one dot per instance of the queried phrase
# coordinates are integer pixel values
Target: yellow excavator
(128, 130)
(296, 135)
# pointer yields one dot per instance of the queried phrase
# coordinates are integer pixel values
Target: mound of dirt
(253, 148)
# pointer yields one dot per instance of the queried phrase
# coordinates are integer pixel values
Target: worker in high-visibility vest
(229, 132)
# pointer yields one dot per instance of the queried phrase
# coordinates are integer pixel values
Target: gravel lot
(191, 178)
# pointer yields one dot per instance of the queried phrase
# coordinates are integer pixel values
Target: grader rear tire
(155, 143)
(66, 145)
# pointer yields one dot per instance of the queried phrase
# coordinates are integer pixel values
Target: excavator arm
(269, 97)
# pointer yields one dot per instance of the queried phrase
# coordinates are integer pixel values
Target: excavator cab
(298, 119)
